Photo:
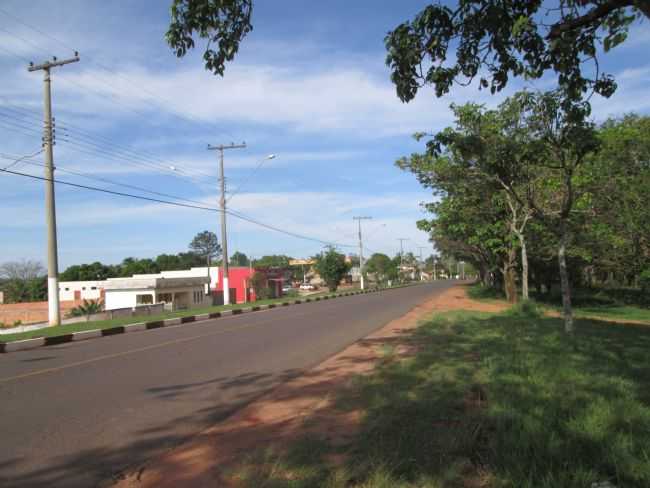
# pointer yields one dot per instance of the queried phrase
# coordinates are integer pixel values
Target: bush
(264, 293)
(88, 307)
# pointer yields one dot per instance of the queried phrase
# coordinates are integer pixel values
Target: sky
(309, 85)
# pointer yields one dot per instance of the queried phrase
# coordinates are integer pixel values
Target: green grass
(587, 304)
(503, 400)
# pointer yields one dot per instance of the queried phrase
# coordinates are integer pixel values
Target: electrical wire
(166, 103)
(232, 213)
(248, 178)
(104, 180)
(26, 157)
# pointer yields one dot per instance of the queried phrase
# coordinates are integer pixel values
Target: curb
(26, 344)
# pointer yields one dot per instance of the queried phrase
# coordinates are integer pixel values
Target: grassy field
(105, 324)
(490, 401)
(586, 304)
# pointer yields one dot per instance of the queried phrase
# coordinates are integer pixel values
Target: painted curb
(135, 327)
(86, 334)
(156, 324)
(24, 344)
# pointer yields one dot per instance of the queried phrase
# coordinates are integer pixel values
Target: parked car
(307, 286)
(286, 288)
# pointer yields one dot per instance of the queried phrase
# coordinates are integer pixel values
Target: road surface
(80, 413)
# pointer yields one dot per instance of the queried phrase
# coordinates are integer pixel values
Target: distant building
(177, 293)
(80, 290)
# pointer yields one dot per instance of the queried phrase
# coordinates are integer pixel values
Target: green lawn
(492, 401)
(587, 305)
(105, 324)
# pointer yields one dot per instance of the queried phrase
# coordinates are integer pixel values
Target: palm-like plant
(87, 308)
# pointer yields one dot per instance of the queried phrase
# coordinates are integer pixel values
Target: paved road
(79, 413)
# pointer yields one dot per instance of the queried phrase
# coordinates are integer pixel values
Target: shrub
(88, 307)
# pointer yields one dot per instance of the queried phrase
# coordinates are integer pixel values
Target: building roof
(154, 282)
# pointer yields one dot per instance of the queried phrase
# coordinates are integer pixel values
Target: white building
(80, 290)
(176, 292)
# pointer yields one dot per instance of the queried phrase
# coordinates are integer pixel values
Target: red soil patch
(279, 417)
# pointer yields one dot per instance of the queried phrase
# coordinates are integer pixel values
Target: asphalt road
(80, 413)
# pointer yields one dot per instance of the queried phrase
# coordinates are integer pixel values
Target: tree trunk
(524, 266)
(564, 281)
(510, 276)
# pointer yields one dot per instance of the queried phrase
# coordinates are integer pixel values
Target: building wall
(123, 298)
(238, 277)
(185, 297)
(88, 290)
(189, 273)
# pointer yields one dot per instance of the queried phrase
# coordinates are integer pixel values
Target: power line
(37, 30)
(162, 102)
(250, 176)
(23, 158)
(105, 180)
(233, 213)
(96, 143)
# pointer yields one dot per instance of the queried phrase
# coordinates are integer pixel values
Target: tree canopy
(331, 266)
(207, 245)
(493, 40)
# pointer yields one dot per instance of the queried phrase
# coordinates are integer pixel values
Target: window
(143, 299)
(198, 296)
(83, 287)
(93, 287)
(67, 289)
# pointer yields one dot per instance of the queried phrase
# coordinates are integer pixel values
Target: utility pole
(421, 260)
(54, 313)
(222, 204)
(401, 252)
(359, 219)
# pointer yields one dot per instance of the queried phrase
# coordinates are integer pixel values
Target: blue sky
(309, 85)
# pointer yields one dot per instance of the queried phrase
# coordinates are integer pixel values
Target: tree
(206, 245)
(260, 285)
(21, 270)
(495, 40)
(331, 266)
(23, 281)
(221, 23)
(239, 259)
(381, 266)
(132, 266)
(273, 261)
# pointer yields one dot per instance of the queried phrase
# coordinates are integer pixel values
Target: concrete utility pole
(222, 204)
(54, 314)
(359, 219)
(421, 260)
(401, 252)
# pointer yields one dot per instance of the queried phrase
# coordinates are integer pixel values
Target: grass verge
(587, 304)
(104, 324)
(489, 401)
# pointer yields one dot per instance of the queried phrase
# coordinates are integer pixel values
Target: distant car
(307, 286)
(286, 288)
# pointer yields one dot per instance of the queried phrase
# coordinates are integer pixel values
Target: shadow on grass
(499, 400)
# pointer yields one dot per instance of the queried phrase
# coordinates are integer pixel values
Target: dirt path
(279, 417)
